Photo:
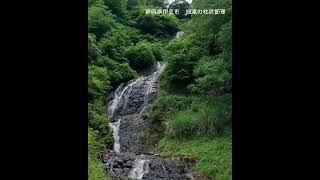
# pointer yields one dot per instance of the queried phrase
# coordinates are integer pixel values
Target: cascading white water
(118, 97)
(151, 81)
(149, 88)
(125, 105)
(115, 132)
(123, 95)
(140, 167)
(179, 34)
(158, 65)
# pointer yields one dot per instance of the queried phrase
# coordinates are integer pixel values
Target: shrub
(214, 76)
(116, 6)
(160, 25)
(118, 39)
(213, 155)
(93, 51)
(95, 168)
(99, 21)
(140, 56)
(99, 123)
(178, 73)
(108, 72)
(157, 51)
(98, 82)
(206, 116)
(165, 106)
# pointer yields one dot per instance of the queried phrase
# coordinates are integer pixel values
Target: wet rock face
(133, 97)
(141, 95)
(182, 6)
(131, 130)
(133, 160)
(120, 165)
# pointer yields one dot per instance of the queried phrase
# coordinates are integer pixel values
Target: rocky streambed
(131, 158)
(132, 166)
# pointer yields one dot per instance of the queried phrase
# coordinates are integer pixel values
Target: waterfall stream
(122, 95)
(179, 34)
(141, 166)
(115, 133)
(125, 109)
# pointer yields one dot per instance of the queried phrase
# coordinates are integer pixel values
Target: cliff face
(182, 5)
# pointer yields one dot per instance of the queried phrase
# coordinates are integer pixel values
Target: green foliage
(159, 25)
(214, 76)
(157, 51)
(98, 121)
(116, 6)
(95, 168)
(213, 155)
(198, 67)
(225, 37)
(105, 74)
(115, 47)
(99, 21)
(179, 46)
(200, 62)
(98, 82)
(179, 70)
(156, 3)
(118, 39)
(210, 24)
(164, 107)
(132, 4)
(93, 51)
(183, 117)
(206, 116)
(140, 56)
(122, 73)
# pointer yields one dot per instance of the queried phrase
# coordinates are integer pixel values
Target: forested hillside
(192, 115)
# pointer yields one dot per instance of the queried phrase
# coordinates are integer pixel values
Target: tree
(118, 39)
(132, 4)
(98, 82)
(159, 25)
(213, 76)
(93, 51)
(156, 3)
(140, 56)
(100, 21)
(116, 6)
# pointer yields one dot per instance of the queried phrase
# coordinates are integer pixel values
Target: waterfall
(118, 97)
(121, 98)
(115, 132)
(125, 110)
(158, 65)
(150, 82)
(140, 167)
(179, 34)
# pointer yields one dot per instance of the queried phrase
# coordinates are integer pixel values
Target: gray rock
(137, 97)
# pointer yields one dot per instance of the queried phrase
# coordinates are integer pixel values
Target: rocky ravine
(131, 158)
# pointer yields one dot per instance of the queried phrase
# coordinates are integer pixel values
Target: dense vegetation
(193, 114)
(119, 47)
